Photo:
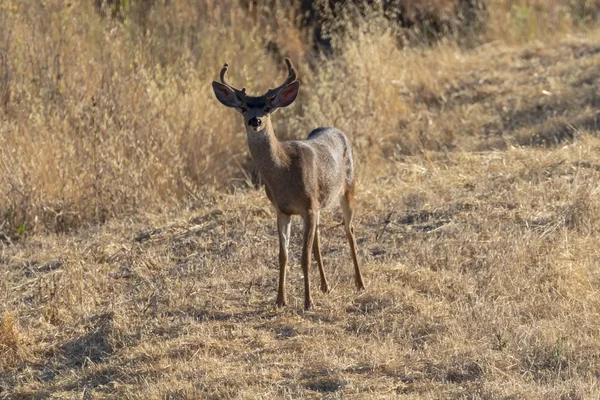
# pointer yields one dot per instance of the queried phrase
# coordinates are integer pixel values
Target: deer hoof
(308, 304)
(281, 303)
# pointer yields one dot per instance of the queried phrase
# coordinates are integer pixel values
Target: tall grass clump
(104, 117)
(106, 106)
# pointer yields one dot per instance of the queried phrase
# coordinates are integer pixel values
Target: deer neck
(266, 150)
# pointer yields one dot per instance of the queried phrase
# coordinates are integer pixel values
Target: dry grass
(137, 261)
(482, 274)
(102, 117)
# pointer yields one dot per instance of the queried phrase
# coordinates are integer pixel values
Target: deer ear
(286, 95)
(225, 95)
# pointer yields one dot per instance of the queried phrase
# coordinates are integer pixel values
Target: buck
(301, 176)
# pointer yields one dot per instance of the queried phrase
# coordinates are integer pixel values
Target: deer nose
(254, 122)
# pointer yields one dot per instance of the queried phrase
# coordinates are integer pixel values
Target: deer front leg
(310, 225)
(317, 254)
(284, 223)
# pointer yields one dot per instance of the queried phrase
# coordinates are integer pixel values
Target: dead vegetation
(482, 281)
(138, 261)
(105, 116)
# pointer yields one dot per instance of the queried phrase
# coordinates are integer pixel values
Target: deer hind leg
(284, 222)
(347, 203)
(317, 255)
(310, 225)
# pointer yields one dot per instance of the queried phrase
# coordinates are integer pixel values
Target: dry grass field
(138, 259)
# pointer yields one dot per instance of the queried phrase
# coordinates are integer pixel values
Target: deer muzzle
(255, 122)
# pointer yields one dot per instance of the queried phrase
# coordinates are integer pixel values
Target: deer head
(257, 110)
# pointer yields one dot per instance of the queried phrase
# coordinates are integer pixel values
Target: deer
(301, 177)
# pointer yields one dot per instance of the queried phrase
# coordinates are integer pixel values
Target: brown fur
(301, 176)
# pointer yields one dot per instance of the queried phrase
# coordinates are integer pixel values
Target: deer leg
(310, 225)
(317, 254)
(347, 203)
(284, 222)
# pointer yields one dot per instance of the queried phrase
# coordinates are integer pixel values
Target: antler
(240, 93)
(292, 75)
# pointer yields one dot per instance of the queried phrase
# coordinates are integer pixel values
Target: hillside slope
(481, 258)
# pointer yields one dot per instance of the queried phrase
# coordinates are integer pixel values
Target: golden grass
(101, 118)
(10, 341)
(137, 260)
(482, 283)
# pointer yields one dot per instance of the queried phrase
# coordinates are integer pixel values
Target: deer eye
(243, 110)
(267, 110)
